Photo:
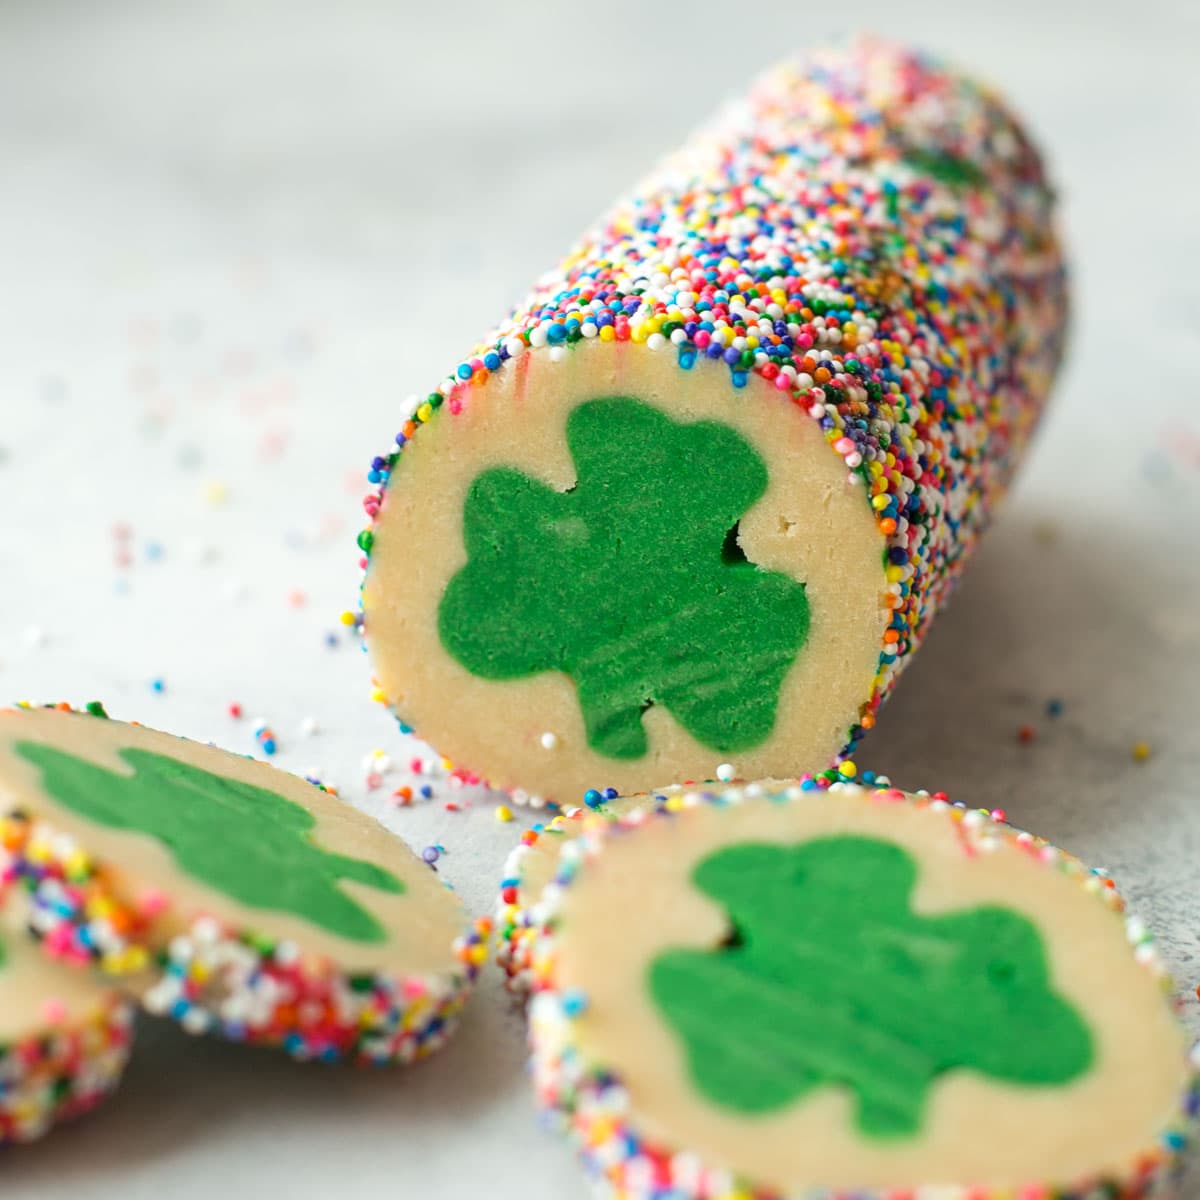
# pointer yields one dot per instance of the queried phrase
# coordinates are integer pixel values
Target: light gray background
(234, 235)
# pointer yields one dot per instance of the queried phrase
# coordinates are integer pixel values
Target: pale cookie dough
(64, 1036)
(831, 989)
(229, 895)
(530, 868)
(698, 499)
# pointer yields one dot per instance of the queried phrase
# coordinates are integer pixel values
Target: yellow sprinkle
(424, 412)
(378, 696)
(1141, 751)
(607, 333)
(504, 813)
(847, 769)
(347, 618)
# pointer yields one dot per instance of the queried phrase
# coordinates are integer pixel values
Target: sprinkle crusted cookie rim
(216, 977)
(515, 922)
(834, 390)
(590, 1105)
(516, 919)
(55, 1076)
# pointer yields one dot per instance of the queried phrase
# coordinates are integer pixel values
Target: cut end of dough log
(658, 569)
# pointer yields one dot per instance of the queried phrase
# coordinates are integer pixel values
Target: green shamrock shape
(632, 582)
(829, 977)
(246, 841)
(947, 168)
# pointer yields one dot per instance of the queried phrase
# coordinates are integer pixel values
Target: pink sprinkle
(153, 902)
(54, 1012)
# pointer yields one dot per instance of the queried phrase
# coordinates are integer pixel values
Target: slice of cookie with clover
(64, 1035)
(229, 895)
(829, 989)
(533, 863)
(530, 869)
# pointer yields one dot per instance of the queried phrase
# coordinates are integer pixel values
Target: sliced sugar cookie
(834, 990)
(229, 895)
(531, 867)
(64, 1035)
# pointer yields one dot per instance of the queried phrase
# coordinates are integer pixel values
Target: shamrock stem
(614, 727)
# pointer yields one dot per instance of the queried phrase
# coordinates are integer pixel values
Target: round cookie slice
(531, 867)
(64, 1036)
(831, 990)
(227, 894)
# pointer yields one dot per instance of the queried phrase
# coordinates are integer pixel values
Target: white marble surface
(224, 229)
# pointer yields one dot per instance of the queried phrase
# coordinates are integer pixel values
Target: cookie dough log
(229, 895)
(531, 867)
(839, 990)
(700, 496)
(64, 1036)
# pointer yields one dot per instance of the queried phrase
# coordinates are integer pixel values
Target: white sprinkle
(549, 740)
(206, 931)
(194, 1021)
(726, 772)
(286, 952)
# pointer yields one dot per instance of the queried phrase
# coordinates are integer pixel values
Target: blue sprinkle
(464, 371)
(592, 798)
(574, 1002)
